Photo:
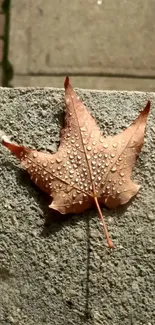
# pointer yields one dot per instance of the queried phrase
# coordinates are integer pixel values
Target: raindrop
(58, 160)
(113, 169)
(83, 129)
(93, 162)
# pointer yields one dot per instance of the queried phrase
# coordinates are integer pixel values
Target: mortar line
(85, 74)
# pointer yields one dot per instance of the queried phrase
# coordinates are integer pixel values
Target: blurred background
(102, 44)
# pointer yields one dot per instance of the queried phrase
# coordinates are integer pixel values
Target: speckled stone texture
(61, 272)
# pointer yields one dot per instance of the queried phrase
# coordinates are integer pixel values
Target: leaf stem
(109, 241)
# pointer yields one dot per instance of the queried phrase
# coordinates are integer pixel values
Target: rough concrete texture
(63, 273)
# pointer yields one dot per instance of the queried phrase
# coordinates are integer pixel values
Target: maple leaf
(87, 168)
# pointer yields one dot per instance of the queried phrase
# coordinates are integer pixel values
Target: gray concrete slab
(83, 37)
(64, 273)
(86, 82)
(20, 35)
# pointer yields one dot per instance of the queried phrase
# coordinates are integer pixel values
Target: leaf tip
(147, 108)
(66, 82)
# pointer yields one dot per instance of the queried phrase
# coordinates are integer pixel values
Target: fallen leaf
(87, 168)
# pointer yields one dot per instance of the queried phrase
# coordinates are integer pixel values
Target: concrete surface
(63, 273)
(106, 83)
(92, 38)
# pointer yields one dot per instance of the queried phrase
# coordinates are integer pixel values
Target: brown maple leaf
(87, 168)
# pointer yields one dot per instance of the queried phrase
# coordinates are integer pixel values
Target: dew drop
(58, 160)
(52, 161)
(114, 145)
(93, 162)
(105, 146)
(83, 129)
(35, 155)
(85, 141)
(121, 174)
(101, 140)
(112, 155)
(89, 148)
(113, 169)
(45, 164)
